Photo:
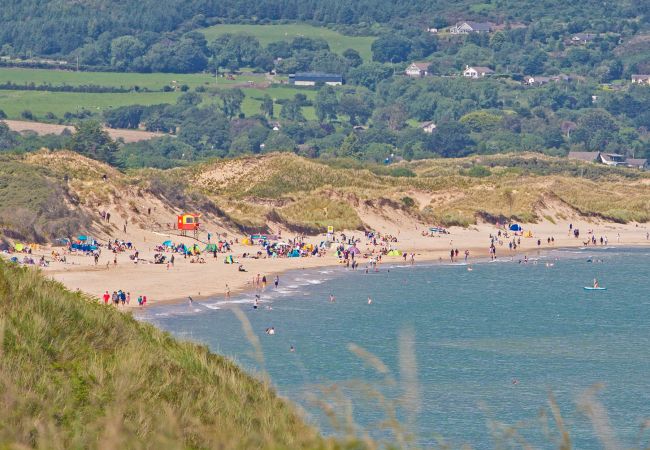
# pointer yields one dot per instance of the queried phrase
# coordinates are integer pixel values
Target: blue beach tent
(515, 227)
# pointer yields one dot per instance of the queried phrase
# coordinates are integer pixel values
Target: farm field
(42, 102)
(13, 103)
(150, 81)
(271, 33)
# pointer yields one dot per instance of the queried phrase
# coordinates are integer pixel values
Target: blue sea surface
(490, 345)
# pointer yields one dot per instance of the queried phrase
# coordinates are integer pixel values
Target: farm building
(312, 79)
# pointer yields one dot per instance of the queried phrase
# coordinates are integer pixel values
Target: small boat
(591, 288)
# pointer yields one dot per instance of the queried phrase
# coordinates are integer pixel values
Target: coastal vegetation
(76, 374)
(307, 195)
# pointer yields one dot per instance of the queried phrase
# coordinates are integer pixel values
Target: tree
(353, 57)
(266, 107)
(124, 50)
(231, 100)
(370, 74)
(124, 117)
(392, 116)
(8, 138)
(292, 110)
(451, 139)
(391, 48)
(596, 128)
(356, 106)
(92, 141)
(326, 104)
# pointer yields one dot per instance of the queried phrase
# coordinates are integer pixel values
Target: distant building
(428, 127)
(641, 79)
(432, 30)
(417, 70)
(312, 79)
(539, 80)
(609, 159)
(584, 156)
(477, 72)
(583, 38)
(637, 163)
(471, 27)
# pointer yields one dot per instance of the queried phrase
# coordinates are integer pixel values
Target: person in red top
(106, 297)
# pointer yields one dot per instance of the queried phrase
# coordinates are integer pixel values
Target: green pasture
(151, 81)
(13, 103)
(271, 33)
(41, 102)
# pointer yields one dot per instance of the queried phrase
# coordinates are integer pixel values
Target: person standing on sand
(227, 292)
(107, 297)
(128, 298)
(277, 281)
(466, 255)
(263, 281)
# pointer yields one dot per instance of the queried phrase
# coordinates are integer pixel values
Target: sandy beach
(163, 283)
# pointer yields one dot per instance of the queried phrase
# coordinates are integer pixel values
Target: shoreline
(210, 280)
(478, 260)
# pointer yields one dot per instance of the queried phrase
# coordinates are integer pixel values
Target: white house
(641, 79)
(417, 70)
(428, 127)
(477, 72)
(471, 27)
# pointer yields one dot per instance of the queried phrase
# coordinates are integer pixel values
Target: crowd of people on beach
(123, 298)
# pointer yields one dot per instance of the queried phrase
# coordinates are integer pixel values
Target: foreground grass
(76, 374)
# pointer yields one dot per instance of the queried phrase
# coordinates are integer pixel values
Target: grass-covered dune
(76, 374)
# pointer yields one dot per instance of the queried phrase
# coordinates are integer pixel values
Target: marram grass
(77, 374)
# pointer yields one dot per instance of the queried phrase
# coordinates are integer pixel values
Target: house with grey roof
(471, 27)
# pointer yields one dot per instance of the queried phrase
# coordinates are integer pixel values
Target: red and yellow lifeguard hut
(188, 222)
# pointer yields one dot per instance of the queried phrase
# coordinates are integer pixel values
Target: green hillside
(75, 374)
(272, 33)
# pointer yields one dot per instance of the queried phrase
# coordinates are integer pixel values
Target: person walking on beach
(107, 297)
(277, 281)
(227, 292)
(263, 281)
(466, 255)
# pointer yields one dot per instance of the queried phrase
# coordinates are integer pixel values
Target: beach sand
(162, 284)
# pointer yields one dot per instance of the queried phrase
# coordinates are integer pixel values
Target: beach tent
(515, 227)
(82, 238)
(295, 253)
(19, 247)
(167, 244)
(246, 241)
(353, 249)
(394, 253)
(229, 260)
(528, 234)
(210, 248)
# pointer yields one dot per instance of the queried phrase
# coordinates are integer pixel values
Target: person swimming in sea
(332, 298)
(369, 301)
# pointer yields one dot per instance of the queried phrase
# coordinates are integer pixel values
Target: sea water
(491, 345)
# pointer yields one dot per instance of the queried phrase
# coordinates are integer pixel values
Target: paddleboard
(588, 288)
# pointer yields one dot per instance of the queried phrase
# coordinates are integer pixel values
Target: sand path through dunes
(50, 128)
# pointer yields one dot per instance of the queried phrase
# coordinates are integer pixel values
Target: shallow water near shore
(490, 343)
